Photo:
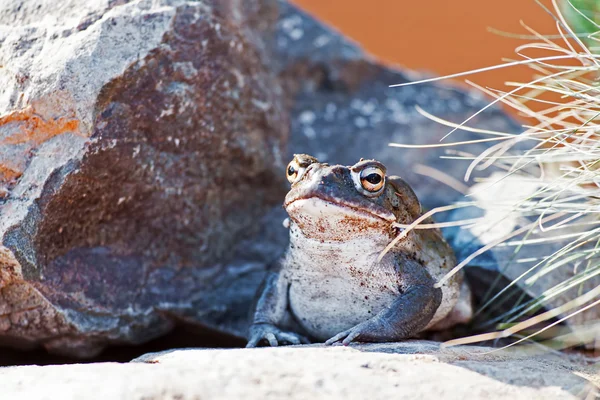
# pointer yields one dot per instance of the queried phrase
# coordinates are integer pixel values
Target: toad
(335, 283)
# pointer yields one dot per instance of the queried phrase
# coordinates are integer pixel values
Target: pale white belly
(336, 304)
(335, 286)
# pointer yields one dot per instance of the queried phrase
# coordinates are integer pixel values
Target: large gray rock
(409, 370)
(139, 142)
(343, 108)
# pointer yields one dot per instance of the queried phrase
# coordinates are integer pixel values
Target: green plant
(583, 16)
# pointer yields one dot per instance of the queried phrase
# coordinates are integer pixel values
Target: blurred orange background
(438, 36)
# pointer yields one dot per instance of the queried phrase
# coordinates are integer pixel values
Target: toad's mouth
(320, 203)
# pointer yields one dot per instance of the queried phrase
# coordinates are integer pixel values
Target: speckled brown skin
(330, 284)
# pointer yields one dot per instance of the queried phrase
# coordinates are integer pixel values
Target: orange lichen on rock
(8, 174)
(34, 128)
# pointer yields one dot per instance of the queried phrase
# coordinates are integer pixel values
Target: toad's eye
(294, 171)
(372, 179)
(298, 166)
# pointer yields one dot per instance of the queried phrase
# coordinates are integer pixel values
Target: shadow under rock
(181, 336)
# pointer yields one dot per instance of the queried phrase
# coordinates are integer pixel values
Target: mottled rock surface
(410, 370)
(139, 142)
(142, 148)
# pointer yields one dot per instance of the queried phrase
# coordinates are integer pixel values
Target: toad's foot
(273, 335)
(368, 331)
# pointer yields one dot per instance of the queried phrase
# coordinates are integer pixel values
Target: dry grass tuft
(557, 155)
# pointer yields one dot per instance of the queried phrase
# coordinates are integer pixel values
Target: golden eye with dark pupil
(294, 171)
(298, 166)
(291, 170)
(371, 179)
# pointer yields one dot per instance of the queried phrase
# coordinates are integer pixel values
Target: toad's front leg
(270, 313)
(408, 315)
